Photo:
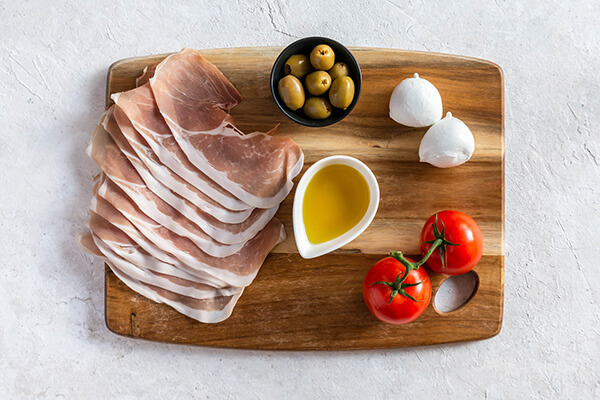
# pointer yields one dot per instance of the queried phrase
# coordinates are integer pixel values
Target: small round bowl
(305, 46)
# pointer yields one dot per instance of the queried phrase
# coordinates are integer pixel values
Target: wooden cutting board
(297, 304)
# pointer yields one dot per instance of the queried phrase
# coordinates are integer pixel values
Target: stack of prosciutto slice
(183, 210)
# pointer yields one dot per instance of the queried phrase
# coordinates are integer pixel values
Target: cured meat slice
(156, 256)
(237, 269)
(171, 180)
(282, 157)
(168, 282)
(146, 75)
(208, 310)
(121, 201)
(203, 83)
(163, 199)
(172, 283)
(126, 248)
(141, 109)
(107, 211)
(208, 233)
(191, 95)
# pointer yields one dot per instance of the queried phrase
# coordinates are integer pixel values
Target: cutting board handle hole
(455, 292)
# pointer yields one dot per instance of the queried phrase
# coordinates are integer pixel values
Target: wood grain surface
(297, 304)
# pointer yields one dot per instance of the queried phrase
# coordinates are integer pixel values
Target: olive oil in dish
(336, 199)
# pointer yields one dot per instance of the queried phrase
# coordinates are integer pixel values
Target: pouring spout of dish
(336, 200)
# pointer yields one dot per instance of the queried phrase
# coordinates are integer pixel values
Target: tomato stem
(440, 246)
(398, 286)
(415, 265)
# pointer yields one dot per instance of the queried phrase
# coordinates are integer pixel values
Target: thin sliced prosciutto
(192, 95)
(183, 210)
(141, 109)
(228, 233)
(117, 242)
(148, 254)
(120, 200)
(170, 179)
(176, 213)
(146, 75)
(174, 284)
(209, 310)
(236, 269)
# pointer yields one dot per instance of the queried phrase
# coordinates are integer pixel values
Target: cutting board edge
(478, 336)
(134, 59)
(354, 48)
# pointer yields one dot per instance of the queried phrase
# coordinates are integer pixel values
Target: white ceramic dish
(311, 250)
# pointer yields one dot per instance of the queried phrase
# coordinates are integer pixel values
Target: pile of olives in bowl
(328, 85)
(315, 86)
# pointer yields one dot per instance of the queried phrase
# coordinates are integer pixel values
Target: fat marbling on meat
(166, 176)
(210, 310)
(236, 269)
(168, 201)
(192, 96)
(125, 179)
(141, 109)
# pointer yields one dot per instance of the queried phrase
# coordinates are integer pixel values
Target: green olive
(342, 92)
(291, 92)
(317, 82)
(322, 57)
(339, 69)
(297, 65)
(317, 108)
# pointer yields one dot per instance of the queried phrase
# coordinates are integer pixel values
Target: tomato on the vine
(396, 293)
(462, 242)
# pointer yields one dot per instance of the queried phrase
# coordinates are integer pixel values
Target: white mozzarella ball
(448, 143)
(416, 102)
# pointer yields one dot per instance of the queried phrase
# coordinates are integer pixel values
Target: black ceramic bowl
(305, 46)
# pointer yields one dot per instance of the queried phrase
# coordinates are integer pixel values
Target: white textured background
(53, 61)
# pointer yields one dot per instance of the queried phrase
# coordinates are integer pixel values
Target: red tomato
(385, 278)
(464, 240)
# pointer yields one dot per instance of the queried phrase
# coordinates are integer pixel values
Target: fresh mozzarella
(448, 143)
(416, 102)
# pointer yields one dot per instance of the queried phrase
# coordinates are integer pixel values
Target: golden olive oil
(335, 200)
